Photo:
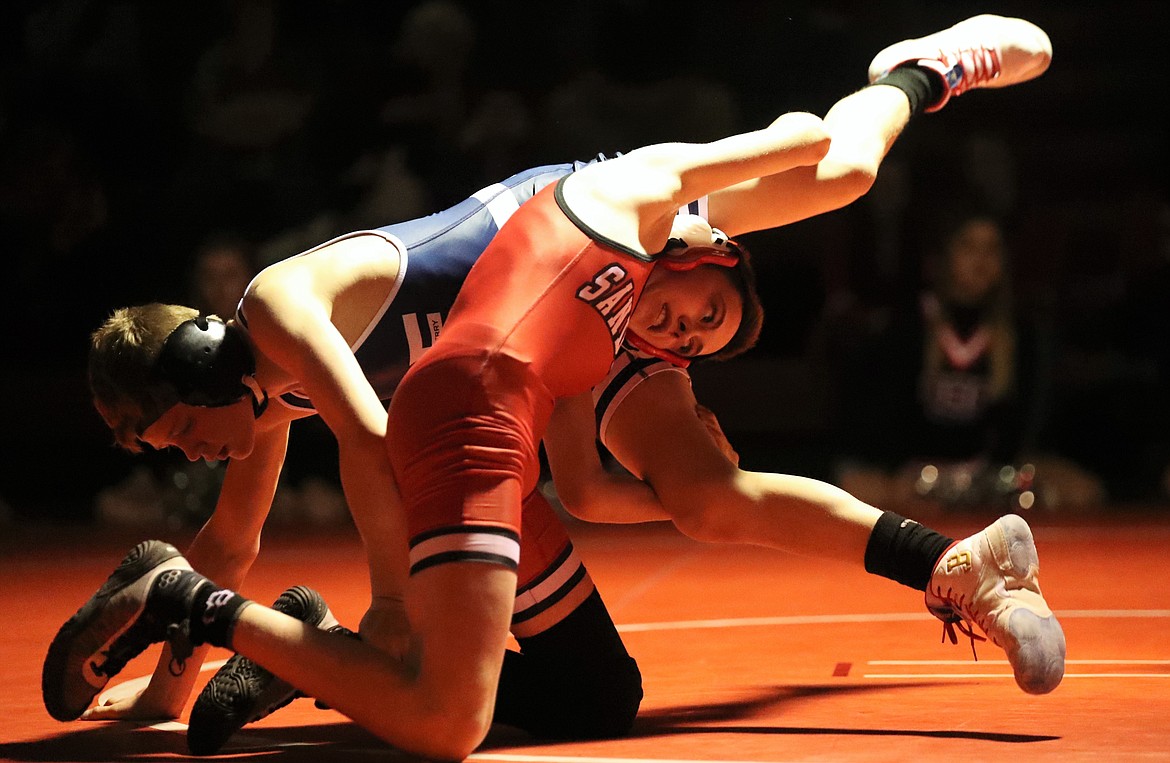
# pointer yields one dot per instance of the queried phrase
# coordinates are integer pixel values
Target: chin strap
(684, 257)
(259, 396)
(641, 345)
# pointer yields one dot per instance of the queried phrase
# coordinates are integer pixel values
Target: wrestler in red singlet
(540, 316)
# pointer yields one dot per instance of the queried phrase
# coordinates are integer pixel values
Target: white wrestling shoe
(990, 579)
(983, 51)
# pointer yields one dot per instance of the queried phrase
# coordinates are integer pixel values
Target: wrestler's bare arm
(230, 540)
(294, 315)
(586, 489)
(656, 434)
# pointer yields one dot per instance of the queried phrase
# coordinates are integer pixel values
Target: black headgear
(207, 362)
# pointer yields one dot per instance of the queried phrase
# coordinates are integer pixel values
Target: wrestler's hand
(135, 706)
(385, 626)
(708, 418)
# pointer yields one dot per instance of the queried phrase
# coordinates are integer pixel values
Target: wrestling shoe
(991, 579)
(241, 691)
(983, 51)
(145, 600)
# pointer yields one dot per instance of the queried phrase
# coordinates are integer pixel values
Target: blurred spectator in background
(222, 268)
(452, 120)
(945, 403)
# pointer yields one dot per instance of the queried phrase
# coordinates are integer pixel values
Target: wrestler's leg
(573, 681)
(463, 435)
(572, 677)
(437, 701)
(863, 126)
(434, 701)
(632, 200)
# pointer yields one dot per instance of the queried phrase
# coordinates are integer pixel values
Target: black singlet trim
(558, 194)
(467, 530)
(636, 367)
(447, 557)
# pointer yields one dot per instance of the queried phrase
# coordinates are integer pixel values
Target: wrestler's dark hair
(743, 278)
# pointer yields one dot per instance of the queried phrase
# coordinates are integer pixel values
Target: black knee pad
(573, 681)
(608, 702)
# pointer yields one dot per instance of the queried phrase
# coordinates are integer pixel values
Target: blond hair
(122, 357)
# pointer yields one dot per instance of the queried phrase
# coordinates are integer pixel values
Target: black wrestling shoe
(241, 691)
(147, 599)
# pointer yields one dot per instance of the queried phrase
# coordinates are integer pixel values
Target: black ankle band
(214, 612)
(922, 87)
(903, 550)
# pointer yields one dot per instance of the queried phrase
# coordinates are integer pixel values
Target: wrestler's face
(690, 312)
(211, 434)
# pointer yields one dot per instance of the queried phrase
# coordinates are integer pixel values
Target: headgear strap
(641, 345)
(722, 251)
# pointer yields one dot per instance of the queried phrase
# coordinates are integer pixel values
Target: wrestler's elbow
(805, 133)
(842, 182)
(706, 515)
(599, 506)
(576, 502)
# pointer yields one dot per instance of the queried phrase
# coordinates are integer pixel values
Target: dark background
(131, 131)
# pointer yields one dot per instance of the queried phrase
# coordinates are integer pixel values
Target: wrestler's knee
(555, 699)
(453, 730)
(604, 704)
(610, 705)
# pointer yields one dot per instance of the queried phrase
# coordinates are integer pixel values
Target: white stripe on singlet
(466, 544)
(500, 202)
(549, 586)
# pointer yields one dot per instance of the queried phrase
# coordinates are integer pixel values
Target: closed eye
(660, 320)
(714, 316)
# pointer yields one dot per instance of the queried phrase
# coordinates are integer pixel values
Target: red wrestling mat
(747, 655)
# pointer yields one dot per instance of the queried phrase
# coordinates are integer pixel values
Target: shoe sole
(70, 678)
(1040, 642)
(212, 722)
